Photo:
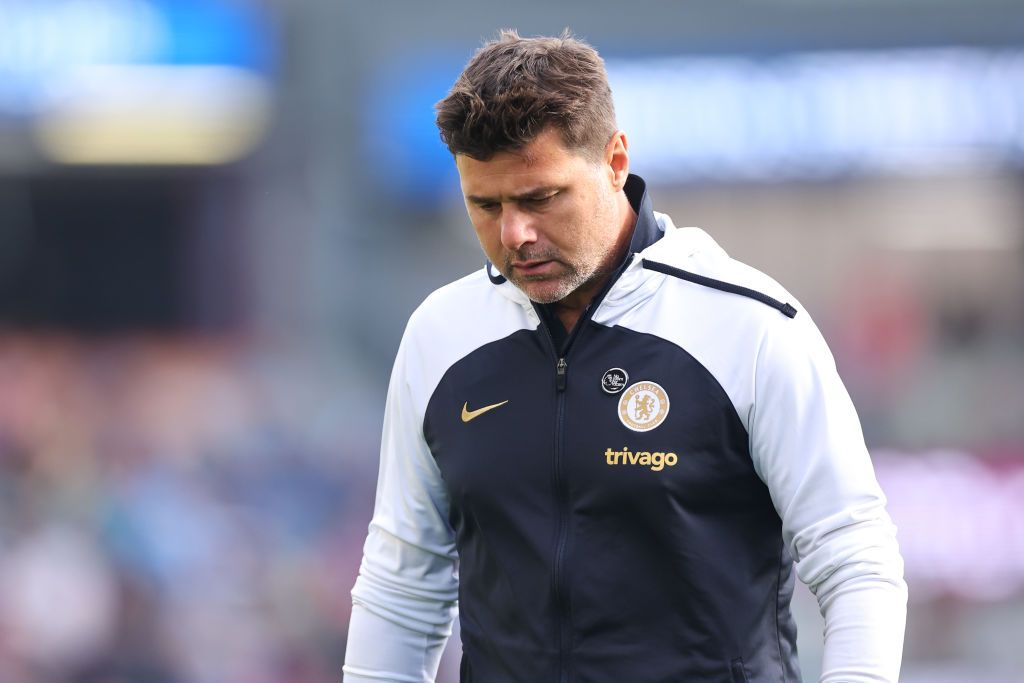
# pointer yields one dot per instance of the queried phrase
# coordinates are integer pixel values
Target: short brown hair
(514, 88)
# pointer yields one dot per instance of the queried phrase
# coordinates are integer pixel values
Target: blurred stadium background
(216, 215)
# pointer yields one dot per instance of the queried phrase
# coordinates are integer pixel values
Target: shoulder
(692, 257)
(685, 289)
(467, 306)
(686, 284)
(456, 320)
(732, 297)
(452, 302)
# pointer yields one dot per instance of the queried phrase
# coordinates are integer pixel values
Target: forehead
(544, 161)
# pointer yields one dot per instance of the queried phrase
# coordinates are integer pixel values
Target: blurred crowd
(174, 510)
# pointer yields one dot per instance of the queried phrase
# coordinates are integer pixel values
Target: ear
(616, 156)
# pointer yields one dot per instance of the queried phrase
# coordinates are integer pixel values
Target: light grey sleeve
(404, 599)
(808, 447)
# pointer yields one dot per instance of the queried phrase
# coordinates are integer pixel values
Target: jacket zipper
(562, 530)
(560, 590)
(563, 632)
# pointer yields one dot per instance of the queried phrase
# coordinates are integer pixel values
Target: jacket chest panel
(670, 431)
(490, 424)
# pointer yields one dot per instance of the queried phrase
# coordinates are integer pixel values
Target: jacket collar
(646, 231)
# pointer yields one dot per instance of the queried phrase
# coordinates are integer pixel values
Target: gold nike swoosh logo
(468, 415)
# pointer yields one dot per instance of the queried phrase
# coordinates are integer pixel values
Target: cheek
(589, 228)
(489, 235)
(594, 236)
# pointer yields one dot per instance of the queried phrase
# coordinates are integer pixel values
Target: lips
(533, 267)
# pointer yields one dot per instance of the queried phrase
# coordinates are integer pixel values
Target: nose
(516, 228)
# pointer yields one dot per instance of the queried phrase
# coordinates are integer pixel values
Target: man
(610, 445)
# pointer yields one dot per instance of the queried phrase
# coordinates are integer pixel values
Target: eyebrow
(534, 193)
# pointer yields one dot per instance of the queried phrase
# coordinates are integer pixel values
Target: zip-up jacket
(625, 503)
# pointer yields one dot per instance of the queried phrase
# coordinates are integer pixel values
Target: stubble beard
(560, 285)
(588, 267)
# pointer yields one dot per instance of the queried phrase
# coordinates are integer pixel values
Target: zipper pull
(560, 374)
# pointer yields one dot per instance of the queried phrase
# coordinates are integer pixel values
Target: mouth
(534, 266)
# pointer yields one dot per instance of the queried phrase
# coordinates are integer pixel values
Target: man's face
(546, 217)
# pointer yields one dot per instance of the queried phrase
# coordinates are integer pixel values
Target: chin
(550, 290)
(544, 299)
(544, 295)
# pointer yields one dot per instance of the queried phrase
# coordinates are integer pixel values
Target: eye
(489, 207)
(541, 201)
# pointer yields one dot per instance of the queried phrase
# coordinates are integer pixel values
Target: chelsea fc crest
(643, 406)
